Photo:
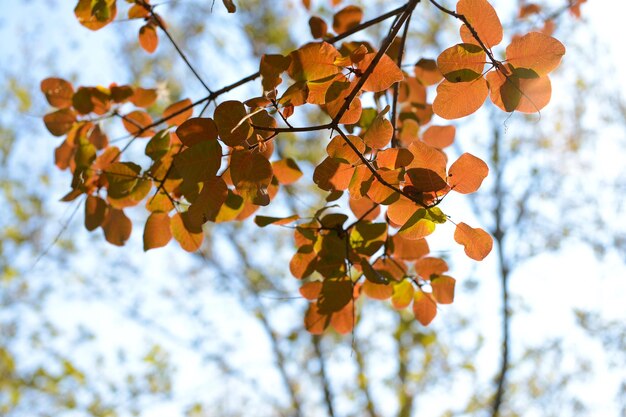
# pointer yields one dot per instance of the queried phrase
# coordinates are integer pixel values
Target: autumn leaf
(385, 73)
(347, 18)
(58, 92)
(456, 100)
(535, 51)
(177, 113)
(467, 174)
(443, 289)
(476, 241)
(157, 231)
(424, 307)
(484, 19)
(148, 38)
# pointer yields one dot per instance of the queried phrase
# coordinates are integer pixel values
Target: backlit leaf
(232, 124)
(95, 211)
(385, 74)
(313, 61)
(117, 227)
(462, 62)
(195, 130)
(409, 250)
(467, 174)
(189, 240)
(426, 72)
(402, 294)
(208, 203)
(58, 92)
(156, 233)
(429, 266)
(60, 122)
(443, 289)
(286, 171)
(148, 38)
(347, 18)
(380, 132)
(318, 27)
(476, 241)
(456, 100)
(177, 113)
(136, 123)
(536, 51)
(339, 149)
(439, 136)
(484, 19)
(512, 93)
(251, 173)
(95, 14)
(331, 174)
(424, 307)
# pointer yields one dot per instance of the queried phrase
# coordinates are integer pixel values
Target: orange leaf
(178, 112)
(347, 18)
(318, 27)
(364, 208)
(443, 289)
(95, 15)
(428, 157)
(409, 250)
(393, 158)
(476, 241)
(286, 171)
(380, 132)
(439, 136)
(467, 174)
(535, 51)
(331, 174)
(314, 321)
(135, 122)
(426, 72)
(462, 62)
(148, 38)
(424, 307)
(429, 266)
(456, 100)
(339, 149)
(385, 74)
(313, 61)
(189, 238)
(527, 95)
(311, 290)
(117, 227)
(60, 122)
(95, 212)
(484, 19)
(144, 97)
(58, 92)
(156, 233)
(196, 130)
(303, 262)
(377, 291)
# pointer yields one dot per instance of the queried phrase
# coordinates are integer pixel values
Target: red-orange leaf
(95, 14)
(426, 72)
(443, 289)
(196, 130)
(429, 266)
(424, 307)
(58, 92)
(536, 51)
(144, 97)
(380, 132)
(339, 149)
(385, 74)
(286, 171)
(331, 174)
(347, 18)
(513, 93)
(148, 38)
(178, 112)
(156, 233)
(136, 122)
(476, 241)
(60, 122)
(456, 100)
(409, 250)
(313, 61)
(467, 174)
(318, 27)
(439, 136)
(117, 227)
(189, 238)
(462, 62)
(311, 290)
(95, 211)
(484, 19)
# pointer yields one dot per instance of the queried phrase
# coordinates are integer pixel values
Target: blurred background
(89, 329)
